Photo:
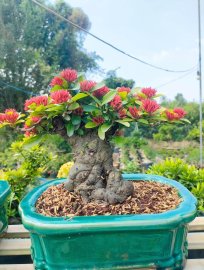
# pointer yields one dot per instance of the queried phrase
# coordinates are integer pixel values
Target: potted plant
(4, 193)
(89, 115)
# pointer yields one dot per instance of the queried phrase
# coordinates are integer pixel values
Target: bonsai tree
(88, 115)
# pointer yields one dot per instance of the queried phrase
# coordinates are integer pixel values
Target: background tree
(34, 44)
(113, 81)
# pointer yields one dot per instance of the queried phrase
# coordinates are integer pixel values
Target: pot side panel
(103, 250)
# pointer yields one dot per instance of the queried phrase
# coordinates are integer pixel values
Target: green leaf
(186, 121)
(136, 90)
(54, 108)
(70, 129)
(105, 127)
(76, 119)
(73, 106)
(79, 96)
(143, 121)
(80, 132)
(32, 141)
(102, 130)
(108, 97)
(90, 125)
(123, 123)
(66, 117)
(98, 86)
(56, 88)
(89, 108)
(101, 133)
(127, 119)
(96, 99)
(80, 77)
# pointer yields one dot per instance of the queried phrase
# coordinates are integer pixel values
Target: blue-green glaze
(4, 192)
(110, 242)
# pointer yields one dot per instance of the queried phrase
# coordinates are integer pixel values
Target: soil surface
(149, 197)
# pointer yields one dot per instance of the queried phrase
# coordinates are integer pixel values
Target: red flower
(86, 86)
(101, 92)
(170, 115)
(60, 96)
(56, 81)
(30, 133)
(36, 119)
(179, 112)
(26, 126)
(98, 120)
(124, 89)
(149, 92)
(69, 74)
(2, 118)
(78, 111)
(175, 114)
(39, 100)
(150, 106)
(116, 103)
(122, 113)
(134, 112)
(11, 116)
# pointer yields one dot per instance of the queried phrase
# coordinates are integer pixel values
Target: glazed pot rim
(4, 190)
(184, 213)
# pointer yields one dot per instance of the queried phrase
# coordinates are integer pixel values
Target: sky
(161, 32)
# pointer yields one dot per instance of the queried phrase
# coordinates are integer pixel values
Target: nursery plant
(188, 175)
(22, 175)
(88, 115)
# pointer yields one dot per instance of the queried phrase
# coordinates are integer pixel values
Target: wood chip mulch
(149, 197)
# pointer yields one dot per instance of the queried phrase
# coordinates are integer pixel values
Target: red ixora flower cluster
(116, 103)
(36, 119)
(150, 106)
(9, 116)
(124, 89)
(86, 86)
(175, 114)
(149, 92)
(30, 132)
(39, 100)
(60, 96)
(56, 81)
(101, 92)
(67, 74)
(134, 112)
(98, 120)
(122, 113)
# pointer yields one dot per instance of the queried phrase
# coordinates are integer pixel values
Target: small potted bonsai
(98, 218)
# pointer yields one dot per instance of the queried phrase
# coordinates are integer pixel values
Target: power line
(17, 88)
(176, 79)
(107, 43)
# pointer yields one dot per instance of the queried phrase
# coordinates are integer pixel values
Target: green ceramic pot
(4, 192)
(110, 242)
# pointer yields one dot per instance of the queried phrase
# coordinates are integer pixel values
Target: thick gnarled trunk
(93, 174)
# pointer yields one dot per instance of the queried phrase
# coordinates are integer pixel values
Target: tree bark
(93, 175)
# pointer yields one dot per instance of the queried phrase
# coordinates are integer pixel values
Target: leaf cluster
(188, 175)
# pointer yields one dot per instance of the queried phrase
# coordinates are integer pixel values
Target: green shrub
(131, 167)
(188, 175)
(24, 175)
